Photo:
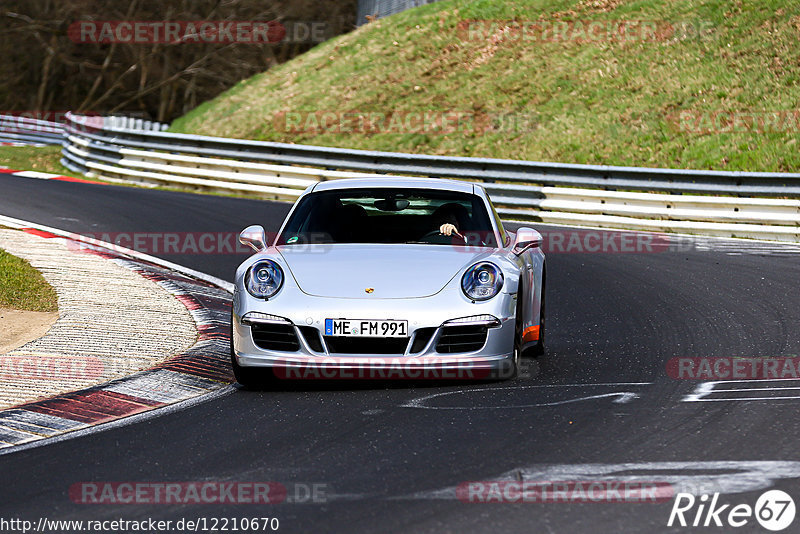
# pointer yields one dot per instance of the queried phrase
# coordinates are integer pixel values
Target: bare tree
(44, 67)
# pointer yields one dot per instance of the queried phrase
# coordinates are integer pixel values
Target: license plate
(365, 328)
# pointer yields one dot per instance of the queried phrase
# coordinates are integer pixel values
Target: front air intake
(281, 337)
(454, 339)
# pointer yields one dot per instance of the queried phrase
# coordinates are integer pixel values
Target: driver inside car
(448, 218)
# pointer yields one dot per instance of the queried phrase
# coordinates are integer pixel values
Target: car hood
(391, 271)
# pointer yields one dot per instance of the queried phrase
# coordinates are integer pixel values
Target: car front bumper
(491, 360)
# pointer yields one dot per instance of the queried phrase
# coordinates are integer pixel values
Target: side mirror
(526, 238)
(253, 236)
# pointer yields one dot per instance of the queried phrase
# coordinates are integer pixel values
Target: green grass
(608, 102)
(22, 287)
(31, 158)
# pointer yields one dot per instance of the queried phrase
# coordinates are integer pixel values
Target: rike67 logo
(774, 510)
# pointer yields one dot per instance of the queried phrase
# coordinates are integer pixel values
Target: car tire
(538, 349)
(511, 371)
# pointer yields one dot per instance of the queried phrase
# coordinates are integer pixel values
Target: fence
(731, 204)
(384, 8)
(18, 129)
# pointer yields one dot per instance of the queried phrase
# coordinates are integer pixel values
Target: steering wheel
(435, 236)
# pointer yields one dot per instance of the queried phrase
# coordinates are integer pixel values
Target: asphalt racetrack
(600, 405)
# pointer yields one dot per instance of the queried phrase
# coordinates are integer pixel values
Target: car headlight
(482, 281)
(264, 278)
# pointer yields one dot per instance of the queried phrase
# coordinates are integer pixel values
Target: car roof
(395, 181)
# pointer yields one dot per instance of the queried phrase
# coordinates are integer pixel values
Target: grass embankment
(22, 287)
(599, 100)
(34, 158)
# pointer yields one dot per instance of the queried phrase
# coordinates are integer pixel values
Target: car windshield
(389, 215)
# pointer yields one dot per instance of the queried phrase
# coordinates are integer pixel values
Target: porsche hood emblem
(370, 289)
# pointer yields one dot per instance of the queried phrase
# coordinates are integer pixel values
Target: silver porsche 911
(388, 278)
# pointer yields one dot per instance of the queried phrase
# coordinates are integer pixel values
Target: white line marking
(757, 381)
(623, 397)
(36, 174)
(705, 389)
(745, 399)
(725, 477)
(753, 389)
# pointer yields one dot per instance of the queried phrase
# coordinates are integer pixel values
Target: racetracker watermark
(190, 242)
(197, 31)
(38, 115)
(786, 121)
(605, 242)
(553, 242)
(581, 491)
(404, 122)
(119, 525)
(733, 368)
(35, 121)
(204, 492)
(32, 367)
(582, 31)
(163, 242)
(387, 368)
(587, 242)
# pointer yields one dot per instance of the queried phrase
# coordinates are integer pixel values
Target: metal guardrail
(384, 8)
(701, 202)
(481, 169)
(29, 131)
(134, 124)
